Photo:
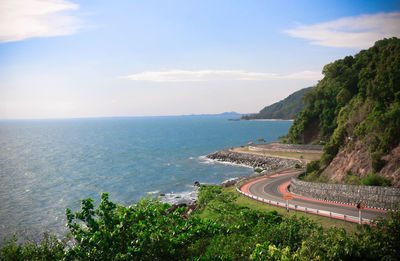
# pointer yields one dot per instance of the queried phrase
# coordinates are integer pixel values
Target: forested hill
(355, 108)
(285, 109)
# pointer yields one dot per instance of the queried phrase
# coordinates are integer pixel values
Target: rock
(162, 194)
(196, 184)
(188, 209)
(252, 160)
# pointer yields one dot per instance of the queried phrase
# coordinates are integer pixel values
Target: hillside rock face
(392, 167)
(358, 162)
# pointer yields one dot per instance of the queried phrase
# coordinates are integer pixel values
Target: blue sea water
(47, 166)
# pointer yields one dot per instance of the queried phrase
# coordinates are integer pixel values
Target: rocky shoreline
(267, 163)
(264, 162)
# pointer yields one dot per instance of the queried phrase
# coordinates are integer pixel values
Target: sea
(49, 165)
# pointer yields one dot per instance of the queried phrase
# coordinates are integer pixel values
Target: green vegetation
(375, 180)
(357, 103)
(258, 206)
(285, 109)
(258, 170)
(352, 179)
(221, 229)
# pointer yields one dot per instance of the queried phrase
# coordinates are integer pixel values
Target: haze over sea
(49, 165)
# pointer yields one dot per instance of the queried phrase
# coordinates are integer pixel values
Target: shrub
(48, 249)
(313, 166)
(377, 162)
(352, 178)
(258, 170)
(375, 180)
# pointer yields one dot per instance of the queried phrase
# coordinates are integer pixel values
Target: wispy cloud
(351, 32)
(217, 75)
(22, 19)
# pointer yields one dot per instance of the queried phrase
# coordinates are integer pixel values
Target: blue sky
(66, 59)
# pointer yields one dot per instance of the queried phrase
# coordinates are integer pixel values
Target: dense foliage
(356, 103)
(285, 109)
(219, 230)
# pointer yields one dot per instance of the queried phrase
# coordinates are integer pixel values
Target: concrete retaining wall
(371, 196)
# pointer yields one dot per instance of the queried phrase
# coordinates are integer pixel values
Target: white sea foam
(180, 197)
(155, 192)
(231, 179)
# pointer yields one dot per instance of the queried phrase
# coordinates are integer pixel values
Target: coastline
(267, 120)
(264, 162)
(239, 159)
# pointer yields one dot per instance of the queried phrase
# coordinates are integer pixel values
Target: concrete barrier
(371, 196)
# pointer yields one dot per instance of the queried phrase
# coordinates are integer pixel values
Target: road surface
(273, 187)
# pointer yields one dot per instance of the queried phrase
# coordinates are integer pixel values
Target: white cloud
(217, 75)
(352, 32)
(22, 19)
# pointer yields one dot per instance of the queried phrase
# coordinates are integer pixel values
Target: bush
(297, 166)
(313, 166)
(48, 249)
(258, 170)
(352, 178)
(377, 162)
(375, 180)
(148, 230)
(207, 193)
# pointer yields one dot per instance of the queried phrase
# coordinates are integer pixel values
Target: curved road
(273, 187)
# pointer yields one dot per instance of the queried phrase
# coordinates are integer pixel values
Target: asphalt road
(273, 187)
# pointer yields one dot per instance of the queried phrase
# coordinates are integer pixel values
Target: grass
(253, 204)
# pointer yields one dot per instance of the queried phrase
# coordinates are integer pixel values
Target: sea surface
(47, 166)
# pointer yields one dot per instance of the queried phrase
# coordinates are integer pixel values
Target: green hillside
(285, 109)
(355, 108)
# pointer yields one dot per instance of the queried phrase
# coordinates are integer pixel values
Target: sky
(95, 58)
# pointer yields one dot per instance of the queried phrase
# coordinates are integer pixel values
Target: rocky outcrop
(253, 160)
(392, 167)
(358, 162)
(187, 209)
(371, 196)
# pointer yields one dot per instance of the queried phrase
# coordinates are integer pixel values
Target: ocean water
(47, 166)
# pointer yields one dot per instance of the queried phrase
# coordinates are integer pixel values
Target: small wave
(231, 179)
(153, 192)
(180, 197)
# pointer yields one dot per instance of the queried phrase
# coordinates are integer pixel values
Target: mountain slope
(355, 108)
(285, 109)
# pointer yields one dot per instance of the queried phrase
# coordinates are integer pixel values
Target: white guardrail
(308, 210)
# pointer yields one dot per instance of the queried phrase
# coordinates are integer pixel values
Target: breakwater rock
(252, 160)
